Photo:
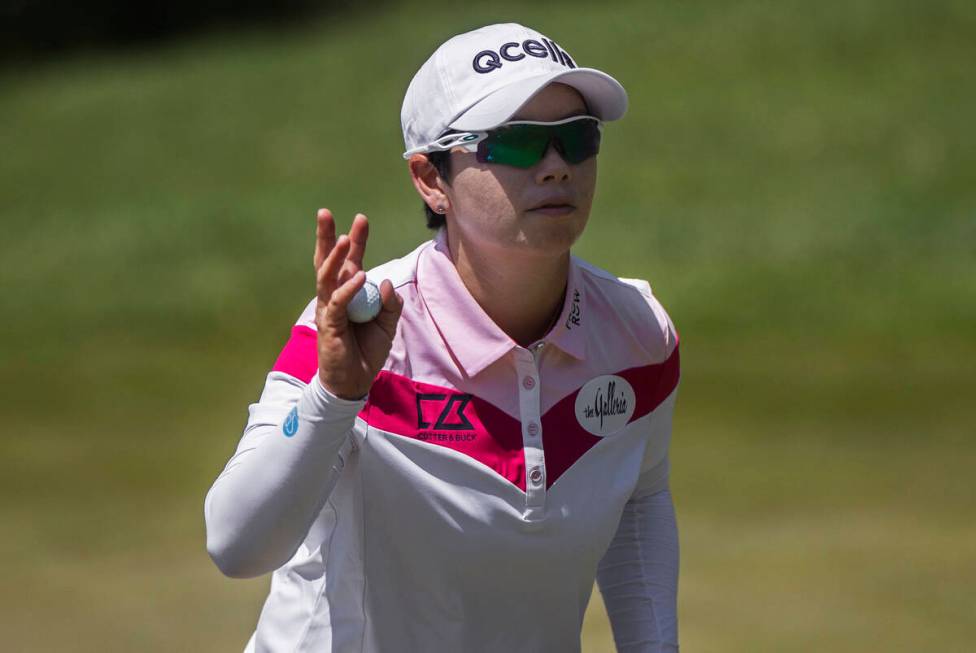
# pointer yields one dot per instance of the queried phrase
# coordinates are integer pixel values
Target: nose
(552, 167)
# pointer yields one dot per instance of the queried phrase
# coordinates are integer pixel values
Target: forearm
(638, 576)
(260, 508)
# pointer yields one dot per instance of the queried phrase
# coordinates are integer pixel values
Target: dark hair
(442, 163)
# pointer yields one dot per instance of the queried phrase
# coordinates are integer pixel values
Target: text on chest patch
(605, 404)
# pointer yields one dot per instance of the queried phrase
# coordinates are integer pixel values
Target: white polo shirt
(466, 503)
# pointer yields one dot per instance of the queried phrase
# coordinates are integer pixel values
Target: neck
(522, 295)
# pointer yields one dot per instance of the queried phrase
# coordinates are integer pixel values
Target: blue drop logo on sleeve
(290, 427)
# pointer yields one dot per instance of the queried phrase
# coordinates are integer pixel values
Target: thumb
(392, 307)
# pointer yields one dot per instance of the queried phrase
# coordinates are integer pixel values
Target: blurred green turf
(796, 182)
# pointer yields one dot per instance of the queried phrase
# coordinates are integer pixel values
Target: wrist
(325, 413)
(333, 393)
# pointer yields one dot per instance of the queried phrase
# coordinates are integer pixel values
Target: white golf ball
(365, 305)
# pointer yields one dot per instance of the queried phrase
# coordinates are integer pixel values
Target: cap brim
(604, 96)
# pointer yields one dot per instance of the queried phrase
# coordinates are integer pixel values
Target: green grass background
(795, 179)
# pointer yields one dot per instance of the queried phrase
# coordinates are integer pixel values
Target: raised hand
(350, 355)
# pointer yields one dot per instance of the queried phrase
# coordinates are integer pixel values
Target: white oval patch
(605, 404)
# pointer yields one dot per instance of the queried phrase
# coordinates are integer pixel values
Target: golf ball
(365, 305)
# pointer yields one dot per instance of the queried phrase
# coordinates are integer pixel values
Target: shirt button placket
(529, 405)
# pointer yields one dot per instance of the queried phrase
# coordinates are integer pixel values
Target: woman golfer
(452, 475)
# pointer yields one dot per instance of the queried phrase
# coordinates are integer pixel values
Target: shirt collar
(568, 333)
(473, 338)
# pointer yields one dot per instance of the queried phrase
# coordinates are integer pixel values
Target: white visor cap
(477, 80)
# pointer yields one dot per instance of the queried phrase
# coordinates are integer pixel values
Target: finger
(392, 307)
(336, 315)
(390, 299)
(327, 279)
(358, 234)
(324, 236)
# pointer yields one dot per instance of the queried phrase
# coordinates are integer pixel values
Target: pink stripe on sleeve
(300, 357)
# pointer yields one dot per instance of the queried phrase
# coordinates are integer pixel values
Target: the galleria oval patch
(605, 404)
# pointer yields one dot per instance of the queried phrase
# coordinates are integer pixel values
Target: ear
(430, 186)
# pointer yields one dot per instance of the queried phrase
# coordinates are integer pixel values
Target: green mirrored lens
(577, 141)
(522, 146)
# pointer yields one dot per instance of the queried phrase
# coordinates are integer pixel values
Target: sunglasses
(523, 143)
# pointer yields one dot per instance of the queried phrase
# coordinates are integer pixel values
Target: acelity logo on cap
(489, 60)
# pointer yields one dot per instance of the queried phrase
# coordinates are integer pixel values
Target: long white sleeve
(260, 508)
(638, 576)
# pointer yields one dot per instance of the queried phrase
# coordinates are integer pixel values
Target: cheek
(587, 178)
(477, 192)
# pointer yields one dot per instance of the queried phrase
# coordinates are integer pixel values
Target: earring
(440, 208)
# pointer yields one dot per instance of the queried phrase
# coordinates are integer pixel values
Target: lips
(554, 205)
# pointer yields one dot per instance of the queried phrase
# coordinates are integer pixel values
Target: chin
(552, 237)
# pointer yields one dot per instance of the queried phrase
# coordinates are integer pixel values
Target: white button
(533, 429)
(535, 475)
(528, 382)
